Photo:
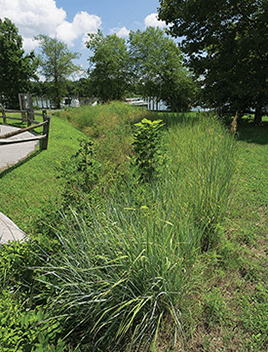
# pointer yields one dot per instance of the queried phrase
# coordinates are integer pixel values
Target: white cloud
(33, 17)
(29, 44)
(82, 24)
(153, 21)
(121, 32)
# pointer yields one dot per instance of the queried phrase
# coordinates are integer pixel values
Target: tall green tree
(158, 70)
(226, 42)
(56, 62)
(109, 66)
(80, 88)
(16, 68)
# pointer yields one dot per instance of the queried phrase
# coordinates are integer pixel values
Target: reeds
(203, 157)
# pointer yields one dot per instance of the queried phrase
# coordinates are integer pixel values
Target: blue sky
(71, 20)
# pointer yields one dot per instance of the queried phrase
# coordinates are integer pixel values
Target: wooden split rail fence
(43, 139)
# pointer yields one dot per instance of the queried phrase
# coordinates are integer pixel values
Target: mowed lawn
(25, 185)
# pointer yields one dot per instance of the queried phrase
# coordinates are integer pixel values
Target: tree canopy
(158, 70)
(150, 64)
(16, 68)
(56, 64)
(227, 46)
(109, 69)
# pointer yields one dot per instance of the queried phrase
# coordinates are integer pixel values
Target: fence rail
(43, 139)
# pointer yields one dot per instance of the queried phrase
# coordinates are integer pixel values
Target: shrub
(148, 157)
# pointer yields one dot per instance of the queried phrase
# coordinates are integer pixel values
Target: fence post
(29, 117)
(4, 114)
(44, 142)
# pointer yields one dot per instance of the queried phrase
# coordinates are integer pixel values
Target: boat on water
(136, 102)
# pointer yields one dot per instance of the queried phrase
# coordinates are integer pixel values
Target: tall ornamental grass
(121, 274)
(203, 161)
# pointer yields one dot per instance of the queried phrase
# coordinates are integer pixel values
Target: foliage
(215, 308)
(227, 47)
(22, 329)
(146, 146)
(157, 69)
(125, 266)
(80, 88)
(22, 325)
(254, 315)
(80, 173)
(110, 127)
(109, 73)
(16, 69)
(151, 66)
(56, 64)
(15, 258)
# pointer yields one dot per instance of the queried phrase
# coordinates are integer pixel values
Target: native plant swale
(167, 264)
(127, 266)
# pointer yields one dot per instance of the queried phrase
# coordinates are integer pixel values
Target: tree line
(149, 64)
(221, 61)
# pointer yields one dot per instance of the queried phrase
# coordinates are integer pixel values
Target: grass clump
(120, 276)
(203, 160)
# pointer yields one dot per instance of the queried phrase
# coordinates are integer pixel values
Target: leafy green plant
(15, 259)
(148, 157)
(215, 308)
(23, 329)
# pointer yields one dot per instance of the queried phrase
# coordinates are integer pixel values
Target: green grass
(26, 185)
(184, 260)
(232, 302)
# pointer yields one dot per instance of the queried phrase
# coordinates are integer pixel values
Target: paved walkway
(10, 155)
(13, 153)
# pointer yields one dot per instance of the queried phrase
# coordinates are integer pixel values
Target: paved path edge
(9, 231)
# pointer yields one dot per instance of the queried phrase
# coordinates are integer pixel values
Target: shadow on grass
(248, 132)
(20, 163)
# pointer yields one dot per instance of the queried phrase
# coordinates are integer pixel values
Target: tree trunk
(258, 115)
(58, 100)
